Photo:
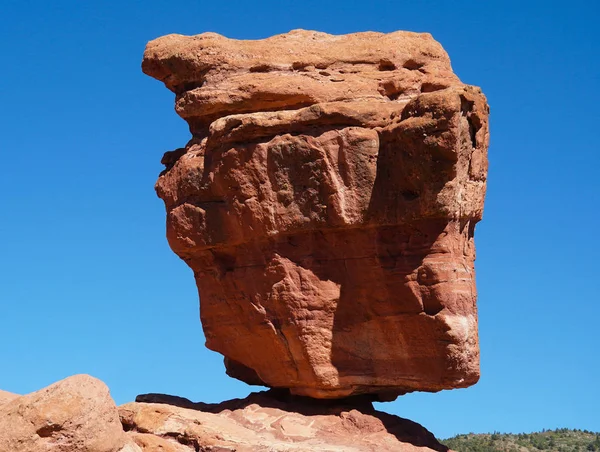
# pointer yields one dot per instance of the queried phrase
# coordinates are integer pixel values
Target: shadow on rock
(335, 419)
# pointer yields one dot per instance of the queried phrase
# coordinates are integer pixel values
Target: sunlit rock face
(76, 414)
(327, 203)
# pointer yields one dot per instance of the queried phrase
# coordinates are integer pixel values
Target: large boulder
(327, 203)
(76, 414)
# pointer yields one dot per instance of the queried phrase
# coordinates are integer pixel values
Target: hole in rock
(431, 305)
(47, 430)
(412, 65)
(386, 65)
(428, 87)
(466, 108)
(260, 68)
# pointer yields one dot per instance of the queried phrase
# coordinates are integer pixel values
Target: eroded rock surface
(76, 414)
(7, 396)
(267, 422)
(327, 203)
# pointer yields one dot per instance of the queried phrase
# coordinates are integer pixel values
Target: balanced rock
(327, 203)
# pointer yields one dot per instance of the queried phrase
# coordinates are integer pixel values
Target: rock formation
(7, 396)
(78, 415)
(73, 415)
(271, 421)
(326, 203)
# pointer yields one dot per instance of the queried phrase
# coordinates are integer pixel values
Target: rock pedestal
(327, 203)
(268, 421)
(78, 415)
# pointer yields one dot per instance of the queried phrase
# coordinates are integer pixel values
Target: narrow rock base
(270, 421)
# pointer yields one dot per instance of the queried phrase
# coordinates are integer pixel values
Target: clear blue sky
(89, 285)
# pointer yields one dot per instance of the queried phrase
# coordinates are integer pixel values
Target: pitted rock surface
(327, 203)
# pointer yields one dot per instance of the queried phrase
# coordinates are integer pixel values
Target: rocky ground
(78, 415)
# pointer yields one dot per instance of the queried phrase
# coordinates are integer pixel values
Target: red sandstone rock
(264, 422)
(6, 397)
(327, 203)
(78, 415)
(72, 415)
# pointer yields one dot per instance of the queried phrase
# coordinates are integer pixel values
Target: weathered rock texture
(73, 415)
(327, 203)
(7, 396)
(78, 415)
(265, 422)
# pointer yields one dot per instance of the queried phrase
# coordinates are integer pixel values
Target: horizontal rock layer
(327, 203)
(268, 422)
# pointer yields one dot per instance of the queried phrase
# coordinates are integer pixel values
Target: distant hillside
(560, 440)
